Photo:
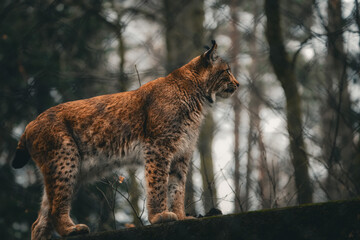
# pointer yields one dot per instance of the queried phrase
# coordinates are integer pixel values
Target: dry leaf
(121, 179)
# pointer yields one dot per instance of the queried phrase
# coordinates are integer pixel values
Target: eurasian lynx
(157, 123)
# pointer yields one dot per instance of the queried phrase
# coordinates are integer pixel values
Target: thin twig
(236, 196)
(144, 200)
(132, 207)
(104, 195)
(127, 200)
(112, 208)
(137, 72)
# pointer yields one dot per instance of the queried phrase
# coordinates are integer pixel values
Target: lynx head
(219, 81)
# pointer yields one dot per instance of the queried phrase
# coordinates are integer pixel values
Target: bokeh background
(289, 136)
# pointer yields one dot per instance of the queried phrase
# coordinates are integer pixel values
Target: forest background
(289, 136)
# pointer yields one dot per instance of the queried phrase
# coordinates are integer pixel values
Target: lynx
(157, 124)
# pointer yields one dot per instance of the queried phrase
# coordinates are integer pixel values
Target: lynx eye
(226, 70)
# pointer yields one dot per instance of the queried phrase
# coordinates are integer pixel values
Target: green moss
(331, 220)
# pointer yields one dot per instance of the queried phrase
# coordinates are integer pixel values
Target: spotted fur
(158, 123)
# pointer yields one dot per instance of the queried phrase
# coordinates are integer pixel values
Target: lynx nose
(236, 83)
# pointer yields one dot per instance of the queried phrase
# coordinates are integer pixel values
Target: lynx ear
(210, 55)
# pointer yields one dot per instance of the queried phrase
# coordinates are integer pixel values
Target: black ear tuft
(210, 55)
(207, 47)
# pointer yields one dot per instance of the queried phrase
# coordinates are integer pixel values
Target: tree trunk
(264, 173)
(123, 78)
(331, 220)
(189, 193)
(285, 74)
(250, 144)
(265, 181)
(207, 169)
(107, 221)
(235, 40)
(338, 149)
(134, 197)
(184, 30)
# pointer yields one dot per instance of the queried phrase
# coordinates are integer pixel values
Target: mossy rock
(332, 220)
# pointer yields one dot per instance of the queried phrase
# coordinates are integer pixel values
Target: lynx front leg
(176, 188)
(157, 167)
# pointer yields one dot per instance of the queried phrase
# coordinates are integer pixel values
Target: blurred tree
(135, 193)
(184, 30)
(255, 135)
(337, 125)
(105, 206)
(49, 53)
(18, 206)
(298, 18)
(206, 161)
(267, 181)
(285, 74)
(57, 51)
(236, 104)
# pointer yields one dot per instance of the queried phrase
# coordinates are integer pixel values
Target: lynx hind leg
(157, 164)
(42, 227)
(60, 181)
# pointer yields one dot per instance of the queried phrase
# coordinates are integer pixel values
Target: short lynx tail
(22, 155)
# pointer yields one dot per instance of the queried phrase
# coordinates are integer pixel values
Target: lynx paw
(78, 230)
(163, 217)
(41, 234)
